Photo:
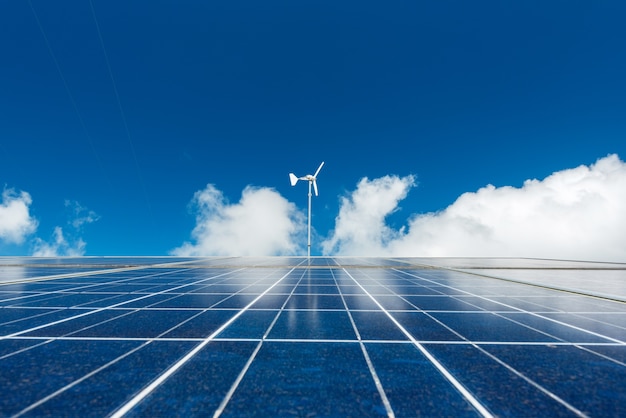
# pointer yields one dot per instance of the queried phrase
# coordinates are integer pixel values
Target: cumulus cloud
(59, 246)
(261, 223)
(578, 213)
(360, 226)
(80, 215)
(68, 243)
(16, 222)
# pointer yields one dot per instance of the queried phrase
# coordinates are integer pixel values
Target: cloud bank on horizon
(577, 214)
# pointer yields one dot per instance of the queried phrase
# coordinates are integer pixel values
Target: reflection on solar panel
(326, 336)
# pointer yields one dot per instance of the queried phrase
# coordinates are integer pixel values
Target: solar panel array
(302, 337)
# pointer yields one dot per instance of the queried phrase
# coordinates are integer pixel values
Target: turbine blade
(293, 179)
(318, 170)
(315, 187)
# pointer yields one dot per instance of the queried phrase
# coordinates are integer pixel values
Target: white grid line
(244, 370)
(372, 288)
(172, 369)
(368, 360)
(462, 390)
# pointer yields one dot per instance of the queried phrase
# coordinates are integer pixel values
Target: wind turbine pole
(311, 178)
(309, 240)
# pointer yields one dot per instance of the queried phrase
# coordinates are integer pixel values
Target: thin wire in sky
(69, 93)
(119, 105)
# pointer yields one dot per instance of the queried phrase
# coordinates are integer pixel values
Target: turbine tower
(312, 181)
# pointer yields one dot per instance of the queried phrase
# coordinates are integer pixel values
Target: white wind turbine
(312, 181)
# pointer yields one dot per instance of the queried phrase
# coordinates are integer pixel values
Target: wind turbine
(312, 181)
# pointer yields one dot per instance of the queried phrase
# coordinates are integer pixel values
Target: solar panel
(283, 336)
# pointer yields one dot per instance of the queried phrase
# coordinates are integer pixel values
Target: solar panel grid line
(32, 316)
(121, 315)
(532, 314)
(586, 347)
(462, 295)
(526, 301)
(556, 337)
(533, 383)
(545, 391)
(596, 334)
(542, 389)
(26, 331)
(91, 312)
(91, 273)
(368, 360)
(377, 382)
(70, 275)
(74, 383)
(122, 410)
(456, 302)
(59, 302)
(83, 286)
(576, 291)
(177, 295)
(78, 381)
(45, 341)
(90, 338)
(310, 340)
(220, 409)
(297, 340)
(530, 381)
(435, 319)
(464, 392)
(524, 343)
(200, 312)
(18, 298)
(578, 315)
(246, 366)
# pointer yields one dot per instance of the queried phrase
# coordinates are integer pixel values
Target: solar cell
(342, 336)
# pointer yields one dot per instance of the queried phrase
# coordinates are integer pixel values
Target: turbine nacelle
(311, 178)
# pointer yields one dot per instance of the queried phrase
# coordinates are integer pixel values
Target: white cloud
(360, 226)
(578, 213)
(64, 243)
(80, 214)
(59, 246)
(15, 220)
(262, 223)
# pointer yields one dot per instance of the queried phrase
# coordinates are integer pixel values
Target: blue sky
(114, 115)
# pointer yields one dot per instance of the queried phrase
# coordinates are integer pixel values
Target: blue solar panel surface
(289, 336)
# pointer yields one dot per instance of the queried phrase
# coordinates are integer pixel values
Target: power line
(69, 93)
(119, 105)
